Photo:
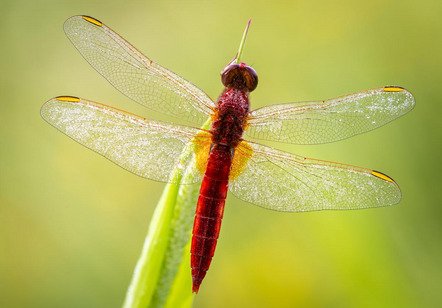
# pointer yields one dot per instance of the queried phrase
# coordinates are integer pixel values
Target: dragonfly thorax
(240, 77)
(230, 117)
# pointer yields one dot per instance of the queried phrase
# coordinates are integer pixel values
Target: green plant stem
(148, 268)
(242, 43)
(162, 276)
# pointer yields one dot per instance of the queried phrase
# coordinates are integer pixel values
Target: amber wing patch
(242, 154)
(202, 143)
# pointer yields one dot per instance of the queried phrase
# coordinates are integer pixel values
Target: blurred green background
(72, 224)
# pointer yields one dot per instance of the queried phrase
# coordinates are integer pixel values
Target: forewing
(133, 74)
(151, 149)
(286, 182)
(330, 120)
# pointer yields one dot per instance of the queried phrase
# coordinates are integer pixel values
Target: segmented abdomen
(209, 211)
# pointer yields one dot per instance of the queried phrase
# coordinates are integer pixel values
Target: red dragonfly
(253, 172)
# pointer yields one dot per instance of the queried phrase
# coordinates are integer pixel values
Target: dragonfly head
(239, 76)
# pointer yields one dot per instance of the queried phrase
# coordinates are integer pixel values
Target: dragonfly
(255, 173)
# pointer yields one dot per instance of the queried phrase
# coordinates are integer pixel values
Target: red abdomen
(209, 211)
(227, 129)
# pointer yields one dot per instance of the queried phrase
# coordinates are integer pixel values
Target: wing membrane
(286, 182)
(150, 149)
(133, 74)
(330, 120)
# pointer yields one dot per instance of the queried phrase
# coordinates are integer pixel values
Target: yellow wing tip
(393, 89)
(382, 176)
(68, 99)
(92, 20)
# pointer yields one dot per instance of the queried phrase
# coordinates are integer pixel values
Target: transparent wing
(286, 182)
(330, 120)
(134, 75)
(151, 149)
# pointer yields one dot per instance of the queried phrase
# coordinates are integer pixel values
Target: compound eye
(240, 77)
(251, 78)
(228, 74)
